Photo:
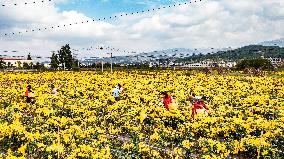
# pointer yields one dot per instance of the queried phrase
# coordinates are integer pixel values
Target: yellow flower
(186, 144)
(143, 116)
(22, 149)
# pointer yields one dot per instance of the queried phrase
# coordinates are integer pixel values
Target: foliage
(26, 66)
(9, 65)
(282, 66)
(39, 66)
(262, 64)
(76, 65)
(247, 52)
(246, 116)
(2, 64)
(19, 64)
(65, 57)
(54, 61)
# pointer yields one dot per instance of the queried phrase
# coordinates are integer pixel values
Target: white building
(231, 64)
(16, 61)
(207, 64)
(275, 61)
(202, 64)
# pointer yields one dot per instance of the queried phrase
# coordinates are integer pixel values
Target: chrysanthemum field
(246, 118)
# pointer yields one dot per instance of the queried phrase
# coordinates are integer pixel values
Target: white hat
(197, 98)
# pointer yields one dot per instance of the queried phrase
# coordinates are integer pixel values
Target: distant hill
(272, 49)
(277, 42)
(176, 53)
(246, 52)
(186, 55)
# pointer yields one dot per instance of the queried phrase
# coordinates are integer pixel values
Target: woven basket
(173, 106)
(202, 111)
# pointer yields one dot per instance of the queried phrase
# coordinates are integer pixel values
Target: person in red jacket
(167, 100)
(199, 106)
(28, 90)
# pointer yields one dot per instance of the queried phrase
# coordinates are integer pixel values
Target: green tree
(9, 65)
(54, 61)
(26, 65)
(2, 64)
(282, 66)
(263, 64)
(19, 64)
(76, 64)
(38, 66)
(31, 65)
(29, 57)
(65, 57)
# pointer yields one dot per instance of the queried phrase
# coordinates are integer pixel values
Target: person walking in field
(29, 94)
(115, 93)
(121, 89)
(195, 97)
(199, 106)
(167, 100)
(53, 90)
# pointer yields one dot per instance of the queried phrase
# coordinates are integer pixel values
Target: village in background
(264, 57)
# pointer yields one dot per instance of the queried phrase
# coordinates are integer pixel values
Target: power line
(101, 19)
(25, 3)
(109, 48)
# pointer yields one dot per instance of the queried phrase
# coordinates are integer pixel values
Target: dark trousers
(29, 100)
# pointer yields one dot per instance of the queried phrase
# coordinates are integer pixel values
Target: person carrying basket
(199, 107)
(29, 94)
(168, 101)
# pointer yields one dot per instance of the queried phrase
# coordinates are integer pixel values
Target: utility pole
(102, 66)
(111, 63)
(102, 61)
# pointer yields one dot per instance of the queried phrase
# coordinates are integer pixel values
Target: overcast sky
(205, 24)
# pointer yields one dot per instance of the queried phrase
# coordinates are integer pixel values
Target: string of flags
(25, 3)
(101, 19)
(108, 48)
(9, 51)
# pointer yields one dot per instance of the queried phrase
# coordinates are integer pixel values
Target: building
(91, 60)
(208, 64)
(15, 61)
(197, 65)
(276, 62)
(202, 64)
(231, 64)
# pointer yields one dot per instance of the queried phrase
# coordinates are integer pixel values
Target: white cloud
(214, 23)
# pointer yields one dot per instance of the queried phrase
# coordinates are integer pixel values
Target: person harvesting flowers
(29, 94)
(199, 106)
(53, 90)
(115, 93)
(167, 101)
(121, 89)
